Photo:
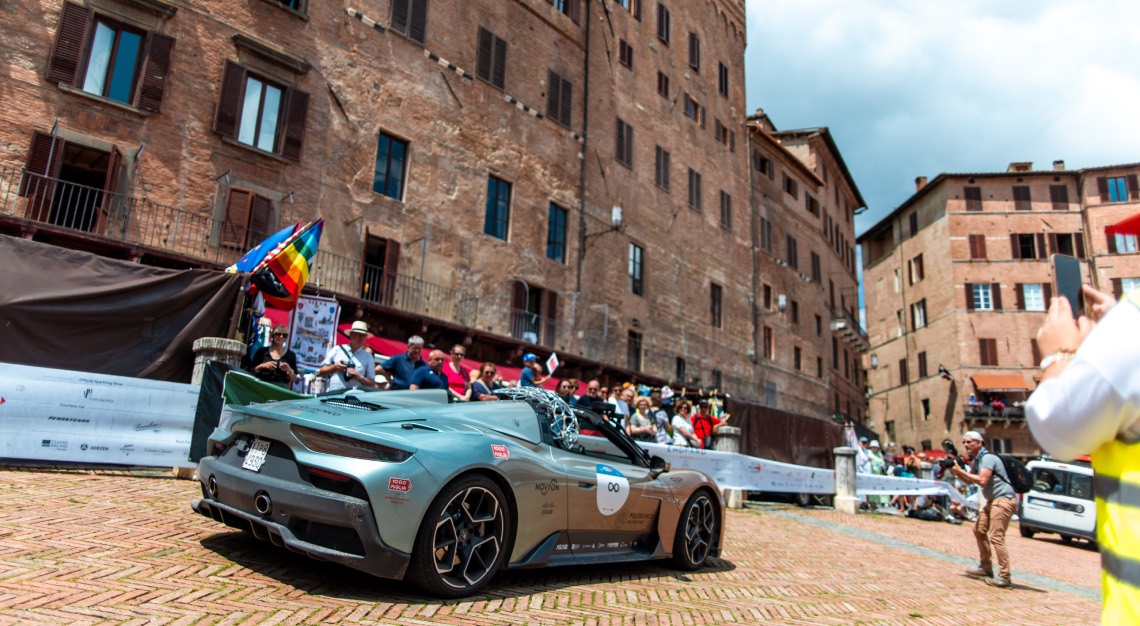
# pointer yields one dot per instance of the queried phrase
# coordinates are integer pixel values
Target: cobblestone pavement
(92, 548)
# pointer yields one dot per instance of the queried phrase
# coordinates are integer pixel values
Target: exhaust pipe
(262, 503)
(212, 487)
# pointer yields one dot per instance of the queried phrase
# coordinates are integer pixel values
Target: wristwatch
(1060, 355)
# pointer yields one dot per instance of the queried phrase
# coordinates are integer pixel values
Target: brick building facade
(549, 175)
(959, 278)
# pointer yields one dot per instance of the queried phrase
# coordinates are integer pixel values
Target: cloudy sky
(919, 87)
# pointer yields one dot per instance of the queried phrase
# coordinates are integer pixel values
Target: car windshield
(591, 424)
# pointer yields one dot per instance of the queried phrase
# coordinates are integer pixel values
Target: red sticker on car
(399, 484)
(500, 451)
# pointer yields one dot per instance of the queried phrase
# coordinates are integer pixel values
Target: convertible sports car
(402, 483)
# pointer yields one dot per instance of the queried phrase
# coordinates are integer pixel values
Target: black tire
(804, 500)
(1025, 532)
(696, 532)
(463, 539)
(1066, 539)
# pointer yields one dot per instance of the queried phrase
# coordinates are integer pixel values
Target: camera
(952, 456)
(347, 376)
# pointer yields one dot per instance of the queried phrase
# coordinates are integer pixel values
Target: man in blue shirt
(399, 368)
(430, 377)
(529, 376)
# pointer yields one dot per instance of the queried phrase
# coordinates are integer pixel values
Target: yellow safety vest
(1117, 485)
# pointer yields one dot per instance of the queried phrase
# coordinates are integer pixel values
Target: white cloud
(914, 88)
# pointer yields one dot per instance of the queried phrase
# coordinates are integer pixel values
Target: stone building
(811, 346)
(957, 280)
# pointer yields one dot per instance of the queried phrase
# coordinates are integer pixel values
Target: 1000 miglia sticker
(613, 490)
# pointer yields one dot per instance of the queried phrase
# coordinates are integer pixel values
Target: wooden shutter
(40, 171)
(499, 75)
(400, 12)
(156, 68)
(1133, 187)
(1111, 241)
(629, 145)
(1041, 254)
(110, 182)
(575, 11)
(1079, 244)
(995, 295)
(1059, 196)
(1117, 288)
(417, 25)
(70, 40)
(1102, 188)
(1052, 237)
(636, 8)
(1047, 293)
(550, 313)
(390, 272)
(296, 112)
(484, 55)
(970, 296)
(619, 149)
(260, 220)
(567, 93)
(229, 100)
(553, 95)
(1015, 245)
(235, 226)
(1019, 295)
(694, 51)
(1036, 351)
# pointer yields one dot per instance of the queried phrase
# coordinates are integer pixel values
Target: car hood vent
(354, 403)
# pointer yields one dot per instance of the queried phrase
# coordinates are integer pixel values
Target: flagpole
(240, 304)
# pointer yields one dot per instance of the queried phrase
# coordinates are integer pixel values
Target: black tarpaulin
(79, 311)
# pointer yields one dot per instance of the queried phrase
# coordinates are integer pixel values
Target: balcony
(987, 415)
(849, 331)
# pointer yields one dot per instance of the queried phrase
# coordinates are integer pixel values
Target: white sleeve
(1097, 396)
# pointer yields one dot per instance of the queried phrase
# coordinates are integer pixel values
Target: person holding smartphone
(1089, 401)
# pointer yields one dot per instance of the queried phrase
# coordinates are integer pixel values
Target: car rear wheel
(1025, 532)
(462, 540)
(695, 532)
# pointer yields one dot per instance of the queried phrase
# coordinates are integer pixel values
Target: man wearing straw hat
(350, 366)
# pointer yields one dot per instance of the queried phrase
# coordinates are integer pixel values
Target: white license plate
(256, 455)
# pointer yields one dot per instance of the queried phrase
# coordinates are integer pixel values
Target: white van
(1061, 501)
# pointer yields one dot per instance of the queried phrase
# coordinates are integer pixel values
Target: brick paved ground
(80, 548)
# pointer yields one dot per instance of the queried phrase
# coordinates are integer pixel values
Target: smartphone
(1067, 279)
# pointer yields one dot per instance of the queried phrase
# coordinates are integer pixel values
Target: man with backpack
(988, 472)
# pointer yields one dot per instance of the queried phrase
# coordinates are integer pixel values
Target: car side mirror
(657, 466)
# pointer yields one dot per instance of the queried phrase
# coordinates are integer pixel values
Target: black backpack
(1016, 474)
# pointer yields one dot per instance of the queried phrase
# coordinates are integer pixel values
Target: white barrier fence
(50, 414)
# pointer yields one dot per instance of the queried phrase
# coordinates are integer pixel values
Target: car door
(1042, 505)
(612, 504)
(1080, 515)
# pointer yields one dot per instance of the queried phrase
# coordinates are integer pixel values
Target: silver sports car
(403, 483)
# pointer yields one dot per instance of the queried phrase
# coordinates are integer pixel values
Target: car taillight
(329, 443)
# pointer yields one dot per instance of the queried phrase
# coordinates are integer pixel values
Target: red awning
(1000, 382)
(1127, 226)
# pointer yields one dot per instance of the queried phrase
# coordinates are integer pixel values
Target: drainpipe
(585, 134)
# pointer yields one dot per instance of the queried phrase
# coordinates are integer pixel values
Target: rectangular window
(1024, 245)
(914, 267)
(913, 219)
(797, 359)
(625, 54)
(559, 99)
(769, 343)
(113, 61)
(498, 214)
(973, 198)
(903, 373)
(793, 254)
(662, 84)
(633, 351)
(818, 326)
(633, 6)
(725, 210)
(391, 161)
(1129, 285)
(982, 297)
(816, 270)
(918, 314)
(722, 79)
(1117, 189)
(692, 108)
(717, 377)
(721, 132)
(663, 23)
(715, 303)
(765, 234)
(794, 309)
(694, 52)
(767, 297)
(791, 187)
(819, 367)
(987, 350)
(899, 316)
(926, 408)
(569, 8)
(661, 168)
(409, 18)
(636, 258)
(556, 234)
(680, 368)
(1121, 244)
(624, 148)
(694, 189)
(1033, 296)
(1059, 196)
(491, 61)
(977, 246)
(261, 114)
(1021, 200)
(922, 373)
(812, 205)
(834, 353)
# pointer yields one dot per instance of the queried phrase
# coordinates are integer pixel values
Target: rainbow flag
(282, 275)
(254, 257)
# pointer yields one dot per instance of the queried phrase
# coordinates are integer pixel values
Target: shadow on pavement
(337, 581)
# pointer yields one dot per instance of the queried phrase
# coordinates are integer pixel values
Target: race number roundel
(613, 490)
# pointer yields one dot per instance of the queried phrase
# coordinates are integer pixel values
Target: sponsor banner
(737, 471)
(57, 415)
(313, 330)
